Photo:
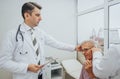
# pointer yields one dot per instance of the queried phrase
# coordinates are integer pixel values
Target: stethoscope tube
(17, 39)
(18, 31)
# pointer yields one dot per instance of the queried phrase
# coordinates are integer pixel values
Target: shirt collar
(25, 27)
(28, 27)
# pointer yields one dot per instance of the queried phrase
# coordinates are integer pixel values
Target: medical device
(19, 32)
(21, 49)
(50, 61)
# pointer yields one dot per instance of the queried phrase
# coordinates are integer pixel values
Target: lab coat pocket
(23, 50)
(20, 52)
(21, 56)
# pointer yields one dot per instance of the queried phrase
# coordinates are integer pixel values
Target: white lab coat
(15, 56)
(107, 66)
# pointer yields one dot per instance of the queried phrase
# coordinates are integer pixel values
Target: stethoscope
(19, 32)
(17, 40)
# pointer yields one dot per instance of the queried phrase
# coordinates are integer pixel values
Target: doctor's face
(34, 18)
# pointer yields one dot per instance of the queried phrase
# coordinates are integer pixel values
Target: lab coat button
(20, 53)
(26, 52)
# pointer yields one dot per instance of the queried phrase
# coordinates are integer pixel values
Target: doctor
(23, 54)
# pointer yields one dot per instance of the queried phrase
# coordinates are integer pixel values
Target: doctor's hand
(78, 48)
(34, 68)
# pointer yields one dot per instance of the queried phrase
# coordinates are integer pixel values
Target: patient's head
(86, 49)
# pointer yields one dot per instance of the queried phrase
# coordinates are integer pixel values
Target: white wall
(114, 23)
(90, 23)
(88, 4)
(114, 16)
(59, 20)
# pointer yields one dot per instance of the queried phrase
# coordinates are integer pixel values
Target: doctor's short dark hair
(28, 7)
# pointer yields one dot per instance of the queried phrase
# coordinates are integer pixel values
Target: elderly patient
(85, 48)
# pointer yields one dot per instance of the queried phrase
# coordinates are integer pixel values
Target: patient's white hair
(88, 41)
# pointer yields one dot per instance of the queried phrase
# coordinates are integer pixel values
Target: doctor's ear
(26, 15)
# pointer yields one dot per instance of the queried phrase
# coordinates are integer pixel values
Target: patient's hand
(88, 68)
(88, 64)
